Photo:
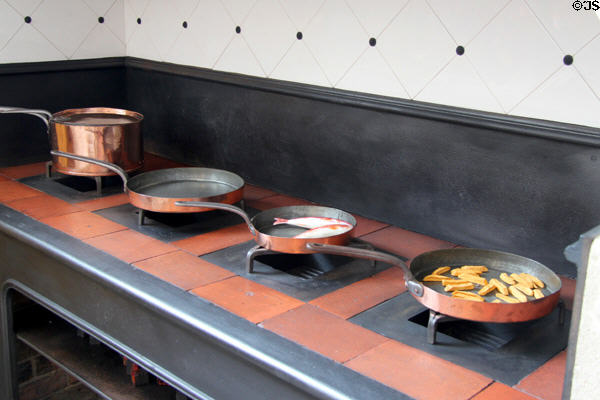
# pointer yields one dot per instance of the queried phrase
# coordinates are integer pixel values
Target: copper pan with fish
(160, 190)
(102, 133)
(286, 238)
(433, 296)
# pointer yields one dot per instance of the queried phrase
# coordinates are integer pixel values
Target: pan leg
(98, 180)
(434, 319)
(49, 169)
(561, 312)
(252, 254)
(141, 215)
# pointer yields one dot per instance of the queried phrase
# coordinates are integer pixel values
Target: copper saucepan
(107, 134)
(432, 295)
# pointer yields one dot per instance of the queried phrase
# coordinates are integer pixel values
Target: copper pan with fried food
(432, 294)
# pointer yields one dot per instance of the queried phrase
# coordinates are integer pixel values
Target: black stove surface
(504, 352)
(169, 227)
(302, 276)
(74, 189)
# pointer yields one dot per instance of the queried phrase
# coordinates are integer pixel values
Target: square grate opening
(85, 184)
(304, 266)
(490, 336)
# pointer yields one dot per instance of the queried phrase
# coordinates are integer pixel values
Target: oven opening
(55, 359)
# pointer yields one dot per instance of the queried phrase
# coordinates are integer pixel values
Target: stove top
(74, 189)
(504, 352)
(302, 276)
(169, 227)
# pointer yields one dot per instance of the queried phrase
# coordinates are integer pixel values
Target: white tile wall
(513, 60)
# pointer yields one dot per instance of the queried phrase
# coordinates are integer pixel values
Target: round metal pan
(281, 237)
(432, 295)
(159, 190)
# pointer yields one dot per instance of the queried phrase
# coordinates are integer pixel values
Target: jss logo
(586, 5)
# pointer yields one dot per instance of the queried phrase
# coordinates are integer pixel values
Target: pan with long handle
(281, 237)
(433, 296)
(160, 190)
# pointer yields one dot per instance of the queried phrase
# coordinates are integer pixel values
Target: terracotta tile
(83, 225)
(216, 240)
(362, 295)
(365, 226)
(546, 382)
(23, 171)
(11, 190)
(153, 161)
(405, 243)
(252, 192)
(279, 200)
(130, 246)
(418, 374)
(499, 390)
(247, 299)
(184, 270)
(104, 202)
(43, 206)
(324, 333)
(567, 291)
(4, 178)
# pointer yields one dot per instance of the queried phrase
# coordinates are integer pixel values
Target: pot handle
(220, 206)
(41, 114)
(113, 167)
(412, 284)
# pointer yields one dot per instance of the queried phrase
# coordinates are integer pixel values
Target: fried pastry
(487, 289)
(507, 299)
(500, 286)
(467, 296)
(440, 270)
(517, 293)
(459, 286)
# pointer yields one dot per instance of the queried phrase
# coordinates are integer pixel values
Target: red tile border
(324, 333)
(130, 246)
(216, 240)
(104, 202)
(23, 171)
(11, 190)
(362, 295)
(405, 243)
(83, 225)
(184, 270)
(417, 373)
(43, 206)
(499, 390)
(279, 200)
(546, 382)
(365, 226)
(247, 299)
(252, 192)
(153, 162)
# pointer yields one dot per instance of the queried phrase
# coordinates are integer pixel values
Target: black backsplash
(467, 177)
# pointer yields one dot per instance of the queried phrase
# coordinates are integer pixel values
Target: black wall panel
(24, 137)
(470, 185)
(475, 179)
